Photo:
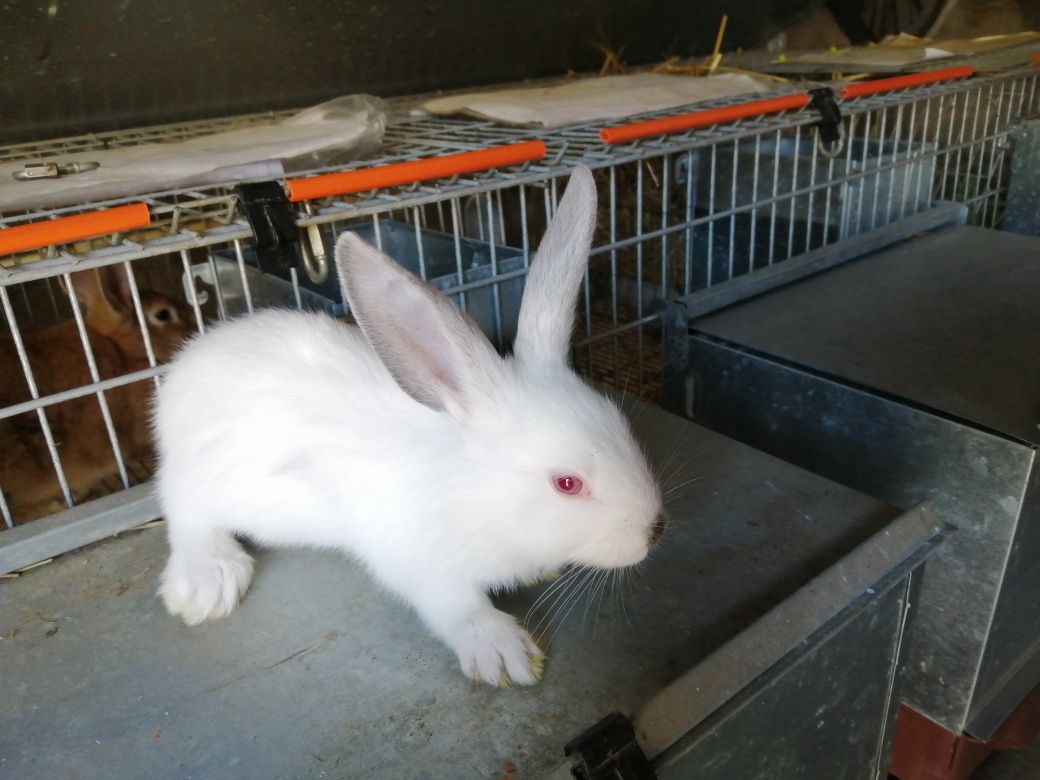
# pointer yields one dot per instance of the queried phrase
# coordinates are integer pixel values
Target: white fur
(289, 428)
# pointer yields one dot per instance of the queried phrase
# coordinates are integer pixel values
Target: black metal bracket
(823, 101)
(275, 235)
(608, 751)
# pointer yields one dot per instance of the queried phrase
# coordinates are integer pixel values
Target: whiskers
(673, 473)
(669, 490)
(675, 477)
(634, 410)
(558, 601)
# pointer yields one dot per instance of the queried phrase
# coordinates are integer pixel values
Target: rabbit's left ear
(547, 310)
(433, 350)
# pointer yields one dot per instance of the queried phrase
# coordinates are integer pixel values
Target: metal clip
(608, 751)
(52, 170)
(270, 216)
(830, 127)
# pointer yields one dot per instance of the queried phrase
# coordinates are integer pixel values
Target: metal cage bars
(674, 206)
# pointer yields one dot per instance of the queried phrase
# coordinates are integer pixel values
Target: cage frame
(189, 219)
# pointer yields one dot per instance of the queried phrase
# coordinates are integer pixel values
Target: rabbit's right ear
(547, 309)
(432, 349)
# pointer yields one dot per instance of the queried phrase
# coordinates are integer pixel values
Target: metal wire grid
(755, 204)
(180, 131)
(677, 214)
(185, 218)
(967, 131)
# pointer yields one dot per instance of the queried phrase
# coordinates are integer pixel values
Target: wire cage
(679, 212)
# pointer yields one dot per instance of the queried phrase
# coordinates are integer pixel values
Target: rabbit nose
(657, 529)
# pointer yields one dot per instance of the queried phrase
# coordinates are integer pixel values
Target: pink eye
(567, 484)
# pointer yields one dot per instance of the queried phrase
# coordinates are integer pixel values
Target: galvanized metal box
(911, 374)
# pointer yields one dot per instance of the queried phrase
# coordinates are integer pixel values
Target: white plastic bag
(329, 133)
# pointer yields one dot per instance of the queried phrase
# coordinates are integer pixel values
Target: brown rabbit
(27, 475)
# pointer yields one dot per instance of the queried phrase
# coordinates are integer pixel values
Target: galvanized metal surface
(37, 541)
(318, 673)
(671, 714)
(911, 390)
(1011, 664)
(819, 715)
(952, 326)
(1023, 198)
(889, 449)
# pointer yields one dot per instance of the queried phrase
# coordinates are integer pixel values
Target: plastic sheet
(329, 133)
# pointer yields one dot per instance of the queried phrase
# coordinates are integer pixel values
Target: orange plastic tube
(902, 82)
(710, 116)
(1036, 58)
(62, 230)
(376, 178)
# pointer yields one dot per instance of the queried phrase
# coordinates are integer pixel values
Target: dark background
(92, 65)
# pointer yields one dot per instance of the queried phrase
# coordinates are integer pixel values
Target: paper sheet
(969, 46)
(898, 50)
(588, 100)
(872, 56)
(328, 133)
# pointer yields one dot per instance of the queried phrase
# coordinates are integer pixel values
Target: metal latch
(52, 170)
(830, 126)
(608, 751)
(271, 217)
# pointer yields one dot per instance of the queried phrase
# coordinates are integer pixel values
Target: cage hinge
(271, 218)
(609, 750)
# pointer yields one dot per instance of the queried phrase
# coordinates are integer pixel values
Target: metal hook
(835, 148)
(315, 258)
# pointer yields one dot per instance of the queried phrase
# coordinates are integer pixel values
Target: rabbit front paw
(495, 650)
(208, 586)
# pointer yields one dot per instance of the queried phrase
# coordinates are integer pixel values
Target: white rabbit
(446, 469)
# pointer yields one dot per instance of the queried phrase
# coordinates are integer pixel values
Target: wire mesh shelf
(678, 213)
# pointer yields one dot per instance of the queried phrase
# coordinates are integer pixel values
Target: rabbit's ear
(117, 285)
(547, 310)
(431, 348)
(101, 290)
